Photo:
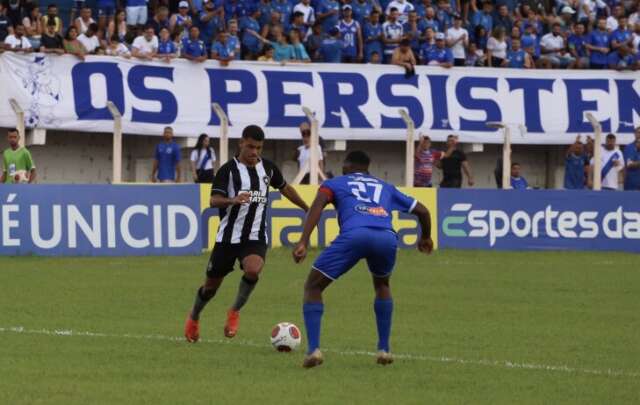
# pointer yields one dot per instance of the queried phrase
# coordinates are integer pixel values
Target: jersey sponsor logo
(373, 211)
(255, 196)
(547, 223)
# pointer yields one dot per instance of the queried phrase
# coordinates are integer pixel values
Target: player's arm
(425, 243)
(313, 217)
(292, 195)
(219, 196)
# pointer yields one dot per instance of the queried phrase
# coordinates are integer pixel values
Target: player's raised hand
(299, 252)
(425, 245)
(241, 198)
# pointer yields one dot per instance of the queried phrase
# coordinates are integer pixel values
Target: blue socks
(383, 310)
(312, 319)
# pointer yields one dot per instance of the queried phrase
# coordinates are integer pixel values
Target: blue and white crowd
(595, 34)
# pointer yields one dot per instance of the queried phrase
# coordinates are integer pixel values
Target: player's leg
(220, 264)
(381, 261)
(252, 259)
(333, 262)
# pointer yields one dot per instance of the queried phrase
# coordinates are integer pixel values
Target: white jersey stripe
(244, 208)
(257, 219)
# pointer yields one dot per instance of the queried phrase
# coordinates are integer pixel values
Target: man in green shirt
(17, 165)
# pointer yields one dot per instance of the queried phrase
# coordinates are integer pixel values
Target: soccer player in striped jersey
(241, 192)
(364, 204)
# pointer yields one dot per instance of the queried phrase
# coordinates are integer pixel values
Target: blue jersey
(432, 53)
(621, 36)
(167, 47)
(599, 39)
(365, 201)
(284, 8)
(632, 176)
(329, 21)
(519, 183)
(168, 157)
(515, 59)
(195, 48)
(248, 40)
(349, 33)
(361, 10)
(331, 50)
(371, 37)
(577, 42)
(574, 176)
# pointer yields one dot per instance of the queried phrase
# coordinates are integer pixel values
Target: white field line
(412, 357)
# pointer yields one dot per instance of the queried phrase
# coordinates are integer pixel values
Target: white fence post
(506, 152)
(410, 149)
(314, 159)
(19, 120)
(117, 143)
(224, 133)
(597, 151)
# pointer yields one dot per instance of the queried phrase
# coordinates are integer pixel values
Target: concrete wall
(86, 158)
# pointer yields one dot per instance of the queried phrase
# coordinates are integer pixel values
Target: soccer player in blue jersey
(364, 204)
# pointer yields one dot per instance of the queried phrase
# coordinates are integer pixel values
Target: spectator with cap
(351, 36)
(438, 55)
(372, 33)
(193, 48)
(392, 33)
(425, 159)
(632, 163)
(181, 21)
(145, 46)
(458, 40)
(566, 20)
(403, 56)
(331, 48)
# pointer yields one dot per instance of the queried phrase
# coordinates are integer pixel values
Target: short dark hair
(358, 158)
(298, 14)
(52, 5)
(405, 42)
(611, 136)
(514, 164)
(253, 132)
(393, 9)
(11, 130)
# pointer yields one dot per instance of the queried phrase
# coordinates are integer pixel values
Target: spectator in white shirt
(203, 159)
(17, 41)
(84, 21)
(309, 14)
(612, 163)
(553, 47)
(90, 40)
(612, 21)
(303, 153)
(496, 48)
(145, 46)
(458, 41)
(403, 7)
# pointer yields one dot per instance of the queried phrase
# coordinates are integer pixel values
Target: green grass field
(469, 327)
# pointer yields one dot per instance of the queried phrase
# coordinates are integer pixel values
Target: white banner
(350, 101)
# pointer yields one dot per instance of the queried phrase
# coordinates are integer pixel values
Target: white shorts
(137, 15)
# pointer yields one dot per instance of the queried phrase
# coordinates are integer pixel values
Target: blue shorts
(108, 11)
(377, 246)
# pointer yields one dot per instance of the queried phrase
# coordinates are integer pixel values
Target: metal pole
(19, 120)
(410, 149)
(117, 143)
(314, 159)
(506, 159)
(597, 150)
(224, 133)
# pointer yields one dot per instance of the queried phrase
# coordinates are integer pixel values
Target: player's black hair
(358, 158)
(253, 132)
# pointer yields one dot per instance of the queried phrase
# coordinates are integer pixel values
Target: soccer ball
(285, 337)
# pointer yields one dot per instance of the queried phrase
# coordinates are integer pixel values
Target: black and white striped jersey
(246, 222)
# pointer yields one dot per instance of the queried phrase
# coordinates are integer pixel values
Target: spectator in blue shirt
(265, 12)
(632, 163)
(285, 9)
(599, 46)
(299, 52)
(211, 20)
(531, 42)
(298, 24)
(413, 30)
(517, 58)
(193, 48)
(221, 49)
(623, 59)
(282, 51)
(314, 42)
(351, 37)
(362, 9)
(328, 14)
(622, 36)
(166, 165)
(250, 44)
(484, 17)
(372, 34)
(167, 49)
(444, 15)
(438, 55)
(517, 181)
(577, 47)
(503, 19)
(331, 49)
(575, 166)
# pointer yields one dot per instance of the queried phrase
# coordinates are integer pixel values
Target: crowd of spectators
(596, 34)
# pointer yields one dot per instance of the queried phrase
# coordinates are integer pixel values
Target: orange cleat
(191, 329)
(231, 326)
